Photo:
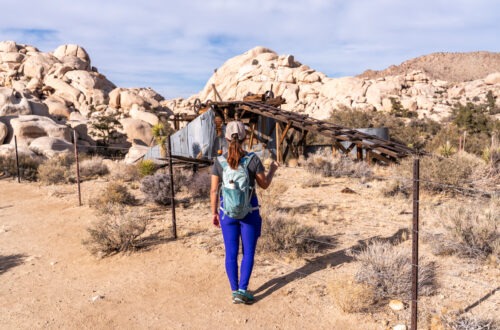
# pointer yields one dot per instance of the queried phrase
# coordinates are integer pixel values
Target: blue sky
(174, 46)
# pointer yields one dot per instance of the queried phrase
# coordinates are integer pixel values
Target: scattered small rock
(400, 327)
(96, 298)
(396, 305)
(53, 263)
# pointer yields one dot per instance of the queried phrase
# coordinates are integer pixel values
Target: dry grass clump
(28, 166)
(387, 269)
(282, 234)
(124, 172)
(458, 173)
(471, 231)
(114, 193)
(118, 231)
(56, 170)
(468, 322)
(324, 163)
(311, 181)
(351, 296)
(93, 167)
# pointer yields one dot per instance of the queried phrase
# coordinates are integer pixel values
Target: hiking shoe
(235, 300)
(243, 297)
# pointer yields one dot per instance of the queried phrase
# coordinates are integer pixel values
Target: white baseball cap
(235, 127)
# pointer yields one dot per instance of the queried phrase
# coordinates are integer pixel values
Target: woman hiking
(238, 215)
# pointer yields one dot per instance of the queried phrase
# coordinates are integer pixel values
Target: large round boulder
(38, 65)
(49, 146)
(3, 132)
(57, 106)
(137, 131)
(28, 128)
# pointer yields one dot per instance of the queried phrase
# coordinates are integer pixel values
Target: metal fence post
(77, 170)
(172, 191)
(17, 161)
(414, 255)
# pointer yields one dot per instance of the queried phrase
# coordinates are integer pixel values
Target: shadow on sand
(8, 262)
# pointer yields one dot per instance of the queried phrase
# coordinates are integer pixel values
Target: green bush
(146, 167)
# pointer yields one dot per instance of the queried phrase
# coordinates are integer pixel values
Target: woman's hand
(215, 220)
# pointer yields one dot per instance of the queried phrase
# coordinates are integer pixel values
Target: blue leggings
(249, 229)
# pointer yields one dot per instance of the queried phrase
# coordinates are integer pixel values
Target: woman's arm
(264, 180)
(213, 200)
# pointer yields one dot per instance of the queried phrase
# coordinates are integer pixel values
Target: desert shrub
(56, 169)
(124, 172)
(198, 185)
(156, 188)
(28, 166)
(114, 193)
(312, 181)
(284, 235)
(118, 231)
(475, 119)
(387, 269)
(468, 322)
(93, 167)
(351, 296)
(456, 173)
(146, 167)
(471, 231)
(324, 163)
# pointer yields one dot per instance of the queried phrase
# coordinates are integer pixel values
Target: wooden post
(278, 144)
(359, 151)
(17, 161)
(172, 191)
(252, 133)
(414, 255)
(77, 170)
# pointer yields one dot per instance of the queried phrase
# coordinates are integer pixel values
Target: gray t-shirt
(254, 167)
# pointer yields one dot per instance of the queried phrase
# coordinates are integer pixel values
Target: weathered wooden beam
(278, 144)
(252, 133)
(285, 131)
(289, 142)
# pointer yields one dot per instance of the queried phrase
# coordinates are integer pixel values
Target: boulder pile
(311, 92)
(45, 97)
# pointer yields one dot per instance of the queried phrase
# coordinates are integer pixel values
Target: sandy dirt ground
(49, 279)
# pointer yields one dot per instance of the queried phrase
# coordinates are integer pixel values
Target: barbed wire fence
(490, 289)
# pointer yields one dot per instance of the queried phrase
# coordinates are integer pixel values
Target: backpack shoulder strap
(247, 158)
(222, 161)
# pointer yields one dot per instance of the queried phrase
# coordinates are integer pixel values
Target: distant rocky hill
(451, 67)
(417, 84)
(44, 97)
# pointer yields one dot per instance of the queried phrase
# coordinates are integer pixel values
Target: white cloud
(159, 43)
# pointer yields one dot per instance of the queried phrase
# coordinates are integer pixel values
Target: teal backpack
(236, 190)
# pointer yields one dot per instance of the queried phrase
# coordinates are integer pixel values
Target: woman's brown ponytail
(235, 152)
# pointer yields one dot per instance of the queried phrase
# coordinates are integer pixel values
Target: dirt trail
(49, 280)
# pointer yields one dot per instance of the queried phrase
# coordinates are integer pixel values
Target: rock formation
(311, 92)
(44, 96)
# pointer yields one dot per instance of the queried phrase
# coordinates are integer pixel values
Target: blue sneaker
(243, 297)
